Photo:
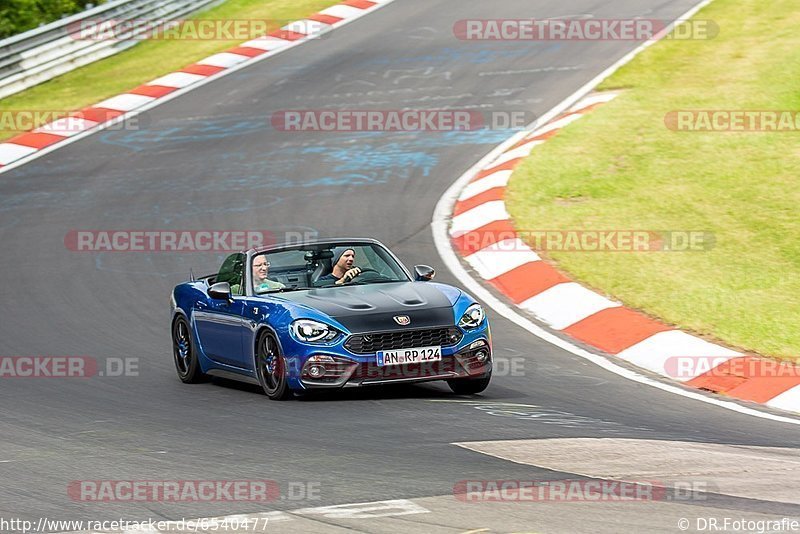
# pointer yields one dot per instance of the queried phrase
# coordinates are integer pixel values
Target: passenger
(261, 283)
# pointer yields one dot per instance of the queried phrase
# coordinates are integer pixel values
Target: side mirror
(424, 273)
(220, 291)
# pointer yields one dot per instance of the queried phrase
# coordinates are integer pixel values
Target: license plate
(403, 356)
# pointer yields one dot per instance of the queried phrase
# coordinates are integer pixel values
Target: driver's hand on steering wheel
(348, 276)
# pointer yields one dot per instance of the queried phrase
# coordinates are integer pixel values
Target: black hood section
(372, 307)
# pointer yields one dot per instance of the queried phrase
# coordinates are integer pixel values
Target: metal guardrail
(51, 50)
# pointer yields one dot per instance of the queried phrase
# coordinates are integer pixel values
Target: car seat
(322, 265)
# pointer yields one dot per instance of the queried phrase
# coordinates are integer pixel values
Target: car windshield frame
(382, 252)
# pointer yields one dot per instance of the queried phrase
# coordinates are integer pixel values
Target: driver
(260, 271)
(343, 269)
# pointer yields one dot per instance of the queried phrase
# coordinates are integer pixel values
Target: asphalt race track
(211, 160)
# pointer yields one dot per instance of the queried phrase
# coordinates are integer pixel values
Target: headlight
(473, 317)
(313, 331)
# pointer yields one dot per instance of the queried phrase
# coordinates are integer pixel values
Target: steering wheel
(368, 270)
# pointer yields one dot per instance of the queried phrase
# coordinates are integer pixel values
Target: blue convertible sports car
(328, 314)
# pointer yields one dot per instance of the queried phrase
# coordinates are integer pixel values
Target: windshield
(330, 265)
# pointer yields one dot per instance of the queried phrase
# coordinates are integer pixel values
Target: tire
(271, 367)
(184, 353)
(469, 386)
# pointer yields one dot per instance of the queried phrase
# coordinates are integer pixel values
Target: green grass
(150, 59)
(17, 16)
(621, 168)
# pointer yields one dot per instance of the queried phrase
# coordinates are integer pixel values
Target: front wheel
(186, 362)
(469, 386)
(271, 367)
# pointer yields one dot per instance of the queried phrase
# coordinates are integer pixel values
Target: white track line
(655, 352)
(566, 304)
(66, 126)
(10, 152)
(177, 79)
(788, 400)
(340, 11)
(478, 216)
(307, 27)
(124, 102)
(499, 258)
(496, 179)
(439, 227)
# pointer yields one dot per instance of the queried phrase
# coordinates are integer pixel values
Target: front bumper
(333, 369)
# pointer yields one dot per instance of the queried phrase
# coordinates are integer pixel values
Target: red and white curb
(26, 146)
(482, 232)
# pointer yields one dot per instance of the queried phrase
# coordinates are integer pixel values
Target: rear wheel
(186, 362)
(271, 367)
(469, 386)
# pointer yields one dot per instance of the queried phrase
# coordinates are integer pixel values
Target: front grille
(403, 339)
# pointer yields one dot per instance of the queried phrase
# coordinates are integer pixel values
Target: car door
(258, 311)
(219, 323)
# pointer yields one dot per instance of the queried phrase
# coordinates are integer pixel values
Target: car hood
(372, 307)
